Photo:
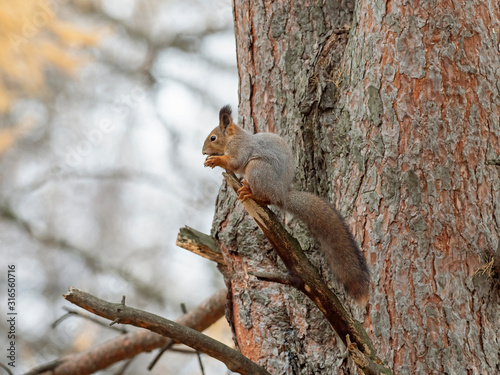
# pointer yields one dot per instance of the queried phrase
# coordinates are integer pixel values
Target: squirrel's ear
(225, 118)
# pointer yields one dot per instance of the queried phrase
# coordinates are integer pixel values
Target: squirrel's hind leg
(245, 192)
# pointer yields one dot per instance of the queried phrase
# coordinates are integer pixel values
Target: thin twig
(184, 311)
(71, 312)
(162, 350)
(125, 366)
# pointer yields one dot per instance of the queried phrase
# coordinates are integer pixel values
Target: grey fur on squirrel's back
(341, 251)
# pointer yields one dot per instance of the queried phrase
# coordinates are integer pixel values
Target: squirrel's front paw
(211, 162)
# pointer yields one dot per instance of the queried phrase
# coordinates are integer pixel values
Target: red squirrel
(266, 160)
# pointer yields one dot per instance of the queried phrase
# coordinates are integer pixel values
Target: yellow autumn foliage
(33, 37)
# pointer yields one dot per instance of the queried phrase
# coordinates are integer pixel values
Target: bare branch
(234, 360)
(199, 244)
(129, 345)
(284, 279)
(307, 279)
(159, 354)
(71, 312)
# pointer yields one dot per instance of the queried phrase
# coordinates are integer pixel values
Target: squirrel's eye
(213, 138)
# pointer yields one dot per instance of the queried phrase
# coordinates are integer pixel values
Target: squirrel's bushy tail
(341, 251)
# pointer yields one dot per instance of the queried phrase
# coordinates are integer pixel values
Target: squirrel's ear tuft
(225, 116)
(226, 110)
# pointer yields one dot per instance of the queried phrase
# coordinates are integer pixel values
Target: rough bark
(287, 54)
(393, 120)
(422, 98)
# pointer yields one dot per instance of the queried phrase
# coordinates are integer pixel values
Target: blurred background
(104, 107)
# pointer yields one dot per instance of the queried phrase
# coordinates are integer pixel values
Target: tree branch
(119, 313)
(129, 345)
(283, 279)
(306, 279)
(199, 243)
(71, 312)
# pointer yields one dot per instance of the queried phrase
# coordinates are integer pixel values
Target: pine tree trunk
(395, 120)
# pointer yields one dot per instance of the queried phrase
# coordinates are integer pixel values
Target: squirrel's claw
(245, 192)
(210, 162)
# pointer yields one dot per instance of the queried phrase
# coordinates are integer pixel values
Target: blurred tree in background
(32, 40)
(103, 110)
